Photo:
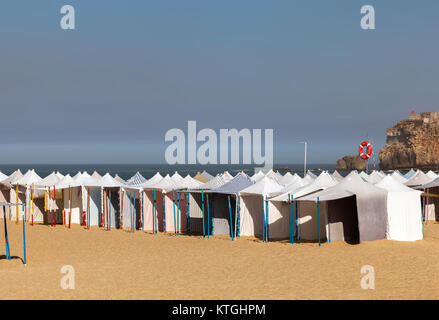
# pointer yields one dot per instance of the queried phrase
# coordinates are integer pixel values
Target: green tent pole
(208, 216)
(202, 205)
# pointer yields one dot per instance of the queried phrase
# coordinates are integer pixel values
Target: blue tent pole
(131, 212)
(153, 215)
(178, 213)
(230, 215)
(238, 229)
(208, 216)
(318, 217)
(175, 222)
(188, 214)
(213, 215)
(202, 205)
(109, 213)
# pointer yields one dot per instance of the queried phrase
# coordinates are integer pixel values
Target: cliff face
(412, 143)
(351, 163)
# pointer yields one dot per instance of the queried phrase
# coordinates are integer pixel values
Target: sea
(126, 171)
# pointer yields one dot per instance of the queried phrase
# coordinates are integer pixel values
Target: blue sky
(108, 91)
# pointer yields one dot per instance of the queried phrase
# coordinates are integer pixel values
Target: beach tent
(256, 218)
(337, 176)
(364, 175)
(176, 177)
(356, 210)
(431, 204)
(96, 175)
(287, 179)
(51, 180)
(398, 176)
(135, 180)
(59, 175)
(273, 175)
(431, 174)
(22, 186)
(418, 180)
(200, 178)
(222, 213)
(312, 175)
(152, 203)
(207, 175)
(404, 216)
(198, 199)
(374, 177)
(257, 176)
(309, 177)
(306, 212)
(409, 174)
(3, 176)
(5, 188)
(66, 196)
(119, 179)
(110, 207)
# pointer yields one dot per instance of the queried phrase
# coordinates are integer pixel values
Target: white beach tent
(418, 180)
(3, 176)
(152, 203)
(119, 179)
(257, 176)
(67, 197)
(374, 177)
(110, 208)
(404, 214)
(409, 174)
(287, 178)
(364, 175)
(431, 174)
(96, 175)
(337, 176)
(207, 175)
(5, 187)
(23, 184)
(312, 175)
(398, 176)
(305, 212)
(254, 204)
(357, 210)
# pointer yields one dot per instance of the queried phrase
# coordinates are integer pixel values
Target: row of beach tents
(325, 207)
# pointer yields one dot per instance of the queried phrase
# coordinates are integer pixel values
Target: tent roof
(201, 178)
(374, 177)
(418, 179)
(207, 175)
(264, 187)
(176, 177)
(188, 183)
(3, 176)
(309, 172)
(119, 179)
(29, 178)
(215, 183)
(309, 178)
(136, 180)
(59, 175)
(83, 180)
(108, 181)
(391, 184)
(323, 181)
(234, 186)
(96, 175)
(398, 176)
(167, 183)
(432, 175)
(257, 176)
(409, 174)
(13, 177)
(66, 181)
(289, 189)
(432, 184)
(337, 176)
(152, 181)
(50, 180)
(351, 185)
(287, 178)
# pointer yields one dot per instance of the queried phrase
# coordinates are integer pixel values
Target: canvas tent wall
(404, 216)
(431, 204)
(251, 222)
(371, 209)
(130, 205)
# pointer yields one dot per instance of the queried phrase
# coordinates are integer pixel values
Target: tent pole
(188, 214)
(154, 226)
(230, 214)
(8, 252)
(70, 208)
(318, 217)
(297, 222)
(16, 198)
(289, 214)
(267, 221)
(24, 242)
(32, 204)
(213, 215)
(178, 213)
(54, 202)
(238, 223)
(208, 216)
(164, 212)
(175, 222)
(263, 219)
(236, 216)
(202, 204)
(109, 212)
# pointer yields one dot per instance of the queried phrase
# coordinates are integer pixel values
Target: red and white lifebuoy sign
(365, 144)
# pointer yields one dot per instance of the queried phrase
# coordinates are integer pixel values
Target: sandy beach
(123, 265)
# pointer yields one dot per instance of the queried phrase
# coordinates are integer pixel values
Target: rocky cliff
(412, 143)
(351, 163)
